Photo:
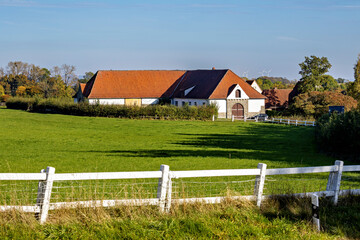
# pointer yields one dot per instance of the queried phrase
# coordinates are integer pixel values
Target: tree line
(28, 80)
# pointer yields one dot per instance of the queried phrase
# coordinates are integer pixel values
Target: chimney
(213, 68)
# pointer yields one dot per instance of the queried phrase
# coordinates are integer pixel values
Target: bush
(339, 134)
(66, 106)
(317, 103)
(4, 98)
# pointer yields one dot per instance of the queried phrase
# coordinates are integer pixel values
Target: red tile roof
(228, 80)
(208, 84)
(82, 87)
(277, 97)
(132, 84)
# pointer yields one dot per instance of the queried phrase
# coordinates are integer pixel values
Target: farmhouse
(229, 92)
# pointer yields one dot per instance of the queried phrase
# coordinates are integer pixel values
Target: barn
(232, 95)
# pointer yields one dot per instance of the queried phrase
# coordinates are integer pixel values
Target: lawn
(30, 142)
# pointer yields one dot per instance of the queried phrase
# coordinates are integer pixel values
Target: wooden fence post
(334, 180)
(315, 211)
(296, 122)
(162, 186)
(259, 183)
(44, 193)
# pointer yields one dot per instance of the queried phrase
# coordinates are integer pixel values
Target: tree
(354, 87)
(2, 90)
(317, 103)
(264, 83)
(69, 76)
(313, 76)
(87, 77)
(17, 68)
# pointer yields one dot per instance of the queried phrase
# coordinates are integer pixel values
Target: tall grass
(280, 218)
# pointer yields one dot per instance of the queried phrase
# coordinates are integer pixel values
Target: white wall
(256, 87)
(191, 102)
(221, 104)
(243, 94)
(115, 101)
(255, 105)
(147, 101)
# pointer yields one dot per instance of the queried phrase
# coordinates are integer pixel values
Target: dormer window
(238, 93)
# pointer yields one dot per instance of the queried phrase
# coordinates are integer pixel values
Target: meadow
(31, 141)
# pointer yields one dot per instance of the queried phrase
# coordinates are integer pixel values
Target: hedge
(340, 134)
(65, 106)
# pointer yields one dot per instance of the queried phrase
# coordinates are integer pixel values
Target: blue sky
(250, 37)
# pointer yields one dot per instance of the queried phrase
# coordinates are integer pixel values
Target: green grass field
(30, 142)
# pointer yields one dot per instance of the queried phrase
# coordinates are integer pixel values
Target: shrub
(340, 134)
(4, 98)
(317, 103)
(66, 106)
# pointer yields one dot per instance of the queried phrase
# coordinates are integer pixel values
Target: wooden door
(238, 111)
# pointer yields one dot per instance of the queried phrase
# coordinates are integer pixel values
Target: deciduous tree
(354, 87)
(313, 76)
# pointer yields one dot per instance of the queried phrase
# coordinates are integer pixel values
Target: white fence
(292, 122)
(165, 185)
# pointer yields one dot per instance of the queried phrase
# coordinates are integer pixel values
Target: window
(183, 103)
(189, 103)
(195, 103)
(176, 103)
(238, 94)
(204, 103)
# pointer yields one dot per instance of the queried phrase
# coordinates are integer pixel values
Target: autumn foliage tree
(317, 103)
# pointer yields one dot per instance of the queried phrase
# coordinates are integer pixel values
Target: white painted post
(232, 118)
(213, 118)
(272, 119)
(315, 211)
(334, 181)
(288, 121)
(296, 122)
(162, 186)
(44, 201)
(305, 122)
(168, 194)
(313, 123)
(259, 183)
(244, 118)
(256, 119)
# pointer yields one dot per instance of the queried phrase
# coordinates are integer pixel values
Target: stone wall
(232, 102)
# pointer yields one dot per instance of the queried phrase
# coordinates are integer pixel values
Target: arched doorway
(238, 111)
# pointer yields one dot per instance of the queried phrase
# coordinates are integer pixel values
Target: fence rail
(165, 183)
(292, 122)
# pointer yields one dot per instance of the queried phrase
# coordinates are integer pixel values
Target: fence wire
(212, 187)
(18, 192)
(70, 191)
(25, 193)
